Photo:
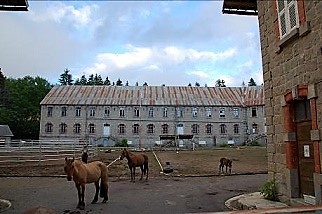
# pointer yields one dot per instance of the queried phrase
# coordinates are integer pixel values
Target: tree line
(67, 79)
(20, 99)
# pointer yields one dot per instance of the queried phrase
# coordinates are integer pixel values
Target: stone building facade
(291, 45)
(147, 116)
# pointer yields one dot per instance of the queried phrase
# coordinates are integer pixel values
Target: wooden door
(305, 147)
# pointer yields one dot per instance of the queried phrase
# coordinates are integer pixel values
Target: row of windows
(151, 112)
(150, 129)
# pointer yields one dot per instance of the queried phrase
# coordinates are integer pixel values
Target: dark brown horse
(134, 160)
(225, 162)
(87, 173)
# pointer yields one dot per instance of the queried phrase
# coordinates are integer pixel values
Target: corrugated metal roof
(5, 131)
(154, 96)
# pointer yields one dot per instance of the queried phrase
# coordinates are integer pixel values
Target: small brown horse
(134, 160)
(87, 173)
(227, 163)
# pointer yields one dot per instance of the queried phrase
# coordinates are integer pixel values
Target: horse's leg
(83, 196)
(147, 171)
(97, 187)
(141, 172)
(134, 174)
(131, 173)
(104, 189)
(80, 192)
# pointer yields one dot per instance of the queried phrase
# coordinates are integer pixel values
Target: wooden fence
(41, 151)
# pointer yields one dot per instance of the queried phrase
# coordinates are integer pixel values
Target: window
(179, 112)
(122, 112)
(49, 128)
(63, 111)
(150, 128)
(195, 129)
(151, 112)
(194, 112)
(208, 129)
(92, 112)
(91, 128)
(236, 129)
(49, 111)
(136, 112)
(78, 111)
(165, 112)
(77, 128)
(223, 129)
(222, 113)
(165, 129)
(255, 128)
(208, 112)
(288, 18)
(136, 129)
(122, 129)
(235, 112)
(62, 128)
(107, 111)
(254, 112)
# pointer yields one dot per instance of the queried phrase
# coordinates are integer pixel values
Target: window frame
(286, 14)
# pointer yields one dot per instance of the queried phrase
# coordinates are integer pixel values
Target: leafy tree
(66, 78)
(107, 81)
(251, 82)
(83, 80)
(145, 84)
(91, 80)
(77, 82)
(220, 83)
(119, 82)
(127, 83)
(3, 90)
(98, 80)
(189, 84)
(197, 84)
(243, 84)
(23, 111)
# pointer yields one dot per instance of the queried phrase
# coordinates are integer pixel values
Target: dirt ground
(185, 163)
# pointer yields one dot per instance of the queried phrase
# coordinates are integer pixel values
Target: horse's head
(123, 154)
(69, 168)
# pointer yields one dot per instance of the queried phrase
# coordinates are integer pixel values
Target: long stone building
(154, 115)
(291, 44)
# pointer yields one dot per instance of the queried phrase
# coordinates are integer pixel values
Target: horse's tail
(104, 181)
(146, 166)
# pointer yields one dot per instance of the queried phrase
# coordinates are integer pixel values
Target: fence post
(39, 161)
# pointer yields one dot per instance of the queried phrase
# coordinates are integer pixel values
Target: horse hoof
(81, 207)
(94, 202)
(104, 201)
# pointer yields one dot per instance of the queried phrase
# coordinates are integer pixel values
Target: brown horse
(225, 162)
(87, 173)
(134, 160)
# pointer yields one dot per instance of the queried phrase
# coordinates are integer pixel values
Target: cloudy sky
(158, 42)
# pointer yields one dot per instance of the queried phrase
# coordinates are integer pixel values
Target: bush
(254, 143)
(123, 143)
(269, 190)
(224, 145)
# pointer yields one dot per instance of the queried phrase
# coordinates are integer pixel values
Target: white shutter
(287, 16)
(281, 17)
(293, 14)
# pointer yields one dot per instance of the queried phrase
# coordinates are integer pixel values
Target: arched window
(165, 129)
(208, 129)
(77, 128)
(195, 129)
(62, 128)
(121, 129)
(150, 128)
(223, 129)
(49, 128)
(136, 129)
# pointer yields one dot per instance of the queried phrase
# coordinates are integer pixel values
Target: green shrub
(254, 143)
(123, 143)
(224, 145)
(269, 190)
